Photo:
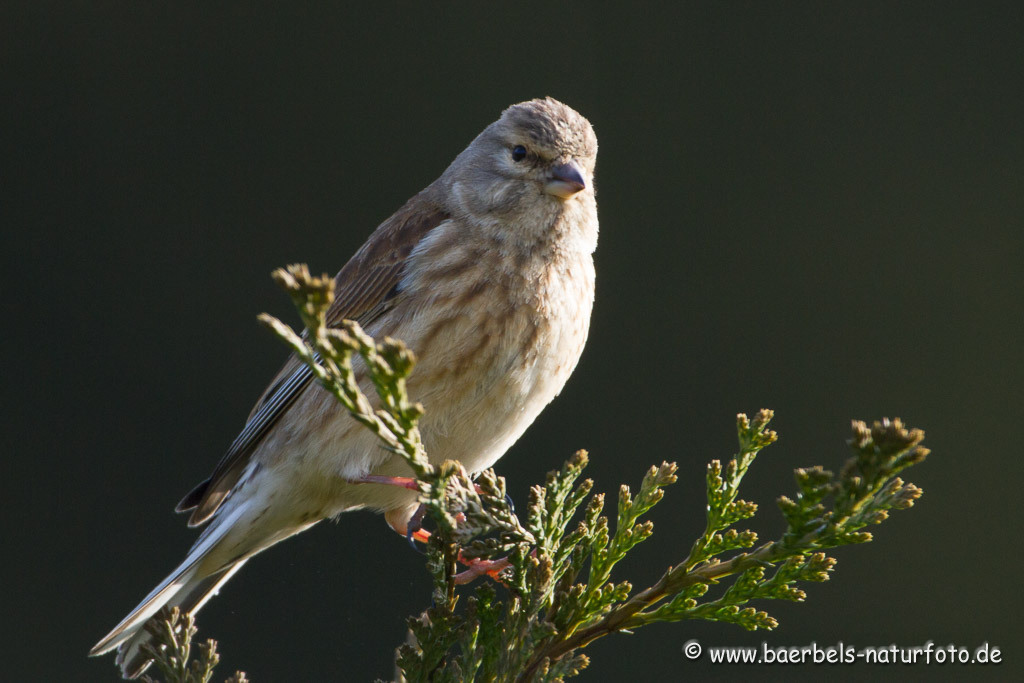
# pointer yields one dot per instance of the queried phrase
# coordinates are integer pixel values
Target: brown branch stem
(672, 582)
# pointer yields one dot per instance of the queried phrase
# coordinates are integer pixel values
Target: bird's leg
(401, 482)
(397, 519)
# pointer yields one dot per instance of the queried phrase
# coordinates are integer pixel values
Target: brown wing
(364, 290)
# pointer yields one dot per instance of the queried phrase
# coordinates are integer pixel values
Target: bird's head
(539, 155)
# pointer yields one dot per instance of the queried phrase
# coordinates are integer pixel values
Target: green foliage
(555, 593)
(171, 650)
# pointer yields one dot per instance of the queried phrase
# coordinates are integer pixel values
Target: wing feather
(364, 290)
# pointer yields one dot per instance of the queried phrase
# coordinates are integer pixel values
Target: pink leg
(402, 482)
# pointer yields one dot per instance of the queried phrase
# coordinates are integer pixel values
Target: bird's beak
(566, 180)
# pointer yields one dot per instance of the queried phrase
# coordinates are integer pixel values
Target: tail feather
(162, 595)
(131, 657)
(188, 588)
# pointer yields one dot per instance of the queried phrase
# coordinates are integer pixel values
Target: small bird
(488, 276)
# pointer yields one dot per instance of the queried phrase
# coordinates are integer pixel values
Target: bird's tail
(188, 588)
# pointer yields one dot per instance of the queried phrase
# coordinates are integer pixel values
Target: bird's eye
(518, 153)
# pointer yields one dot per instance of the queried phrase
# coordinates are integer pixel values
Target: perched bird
(488, 276)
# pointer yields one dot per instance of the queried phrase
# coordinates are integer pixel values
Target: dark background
(815, 208)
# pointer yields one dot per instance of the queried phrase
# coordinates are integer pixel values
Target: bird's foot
(414, 530)
(478, 567)
(475, 567)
